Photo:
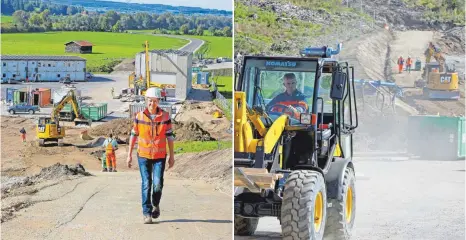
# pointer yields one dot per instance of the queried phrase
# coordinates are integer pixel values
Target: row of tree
(8, 7)
(112, 21)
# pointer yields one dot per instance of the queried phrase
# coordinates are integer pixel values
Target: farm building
(43, 68)
(78, 47)
(168, 67)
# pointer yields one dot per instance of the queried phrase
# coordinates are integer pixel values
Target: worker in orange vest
(409, 62)
(110, 146)
(153, 129)
(23, 134)
(400, 64)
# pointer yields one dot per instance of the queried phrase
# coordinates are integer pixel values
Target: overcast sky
(212, 4)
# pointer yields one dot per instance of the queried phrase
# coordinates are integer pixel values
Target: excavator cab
(294, 120)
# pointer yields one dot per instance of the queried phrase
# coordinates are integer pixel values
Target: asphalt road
(109, 207)
(398, 198)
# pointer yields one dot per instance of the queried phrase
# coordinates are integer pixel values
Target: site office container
(42, 97)
(437, 137)
(10, 94)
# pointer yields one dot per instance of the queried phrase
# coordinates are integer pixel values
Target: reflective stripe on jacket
(152, 133)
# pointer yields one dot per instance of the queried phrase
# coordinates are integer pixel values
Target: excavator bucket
(80, 121)
(85, 136)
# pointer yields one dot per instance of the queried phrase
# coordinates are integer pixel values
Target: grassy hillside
(283, 26)
(441, 10)
(109, 48)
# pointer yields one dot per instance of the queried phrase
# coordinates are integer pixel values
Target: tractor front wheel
(342, 212)
(304, 206)
(245, 226)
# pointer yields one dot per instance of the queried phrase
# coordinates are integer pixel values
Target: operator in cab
(292, 101)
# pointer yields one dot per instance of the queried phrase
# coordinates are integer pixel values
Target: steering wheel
(292, 111)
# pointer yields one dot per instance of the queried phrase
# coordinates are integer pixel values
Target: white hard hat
(153, 93)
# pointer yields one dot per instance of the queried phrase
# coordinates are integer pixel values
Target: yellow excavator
(293, 155)
(439, 80)
(49, 129)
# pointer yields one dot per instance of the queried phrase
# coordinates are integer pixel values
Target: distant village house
(78, 47)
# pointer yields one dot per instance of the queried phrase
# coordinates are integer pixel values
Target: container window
(58, 75)
(39, 64)
(50, 65)
(14, 75)
(4, 75)
(4, 64)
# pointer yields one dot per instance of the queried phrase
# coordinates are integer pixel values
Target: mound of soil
(190, 130)
(54, 172)
(120, 126)
(213, 167)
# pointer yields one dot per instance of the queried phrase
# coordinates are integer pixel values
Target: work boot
(110, 170)
(147, 219)
(156, 212)
(114, 170)
(104, 170)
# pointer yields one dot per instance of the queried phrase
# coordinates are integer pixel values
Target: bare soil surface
(38, 183)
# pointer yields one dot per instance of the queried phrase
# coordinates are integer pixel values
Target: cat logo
(445, 78)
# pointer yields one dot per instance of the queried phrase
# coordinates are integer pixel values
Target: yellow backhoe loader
(439, 80)
(293, 155)
(49, 129)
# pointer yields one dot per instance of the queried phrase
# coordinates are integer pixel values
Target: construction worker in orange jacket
(400, 64)
(153, 130)
(110, 146)
(409, 62)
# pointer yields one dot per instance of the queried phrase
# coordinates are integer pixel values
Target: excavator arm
(70, 98)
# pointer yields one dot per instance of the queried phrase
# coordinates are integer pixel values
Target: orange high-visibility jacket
(152, 133)
(409, 62)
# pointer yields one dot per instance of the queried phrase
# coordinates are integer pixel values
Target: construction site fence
(224, 103)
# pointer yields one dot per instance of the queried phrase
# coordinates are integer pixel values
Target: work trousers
(400, 68)
(152, 182)
(111, 160)
(23, 137)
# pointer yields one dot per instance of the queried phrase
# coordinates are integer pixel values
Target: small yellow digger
(48, 129)
(293, 158)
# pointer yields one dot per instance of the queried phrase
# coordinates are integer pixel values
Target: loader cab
(318, 91)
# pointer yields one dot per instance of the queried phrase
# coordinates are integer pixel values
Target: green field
(219, 46)
(199, 146)
(6, 19)
(108, 50)
(225, 86)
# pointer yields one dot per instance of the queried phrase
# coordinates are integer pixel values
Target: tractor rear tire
(245, 226)
(304, 206)
(341, 214)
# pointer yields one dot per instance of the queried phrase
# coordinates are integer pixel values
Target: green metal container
(437, 137)
(94, 112)
(417, 65)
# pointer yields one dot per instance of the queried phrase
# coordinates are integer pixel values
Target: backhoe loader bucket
(85, 136)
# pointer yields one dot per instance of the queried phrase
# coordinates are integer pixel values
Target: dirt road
(414, 43)
(399, 198)
(108, 206)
